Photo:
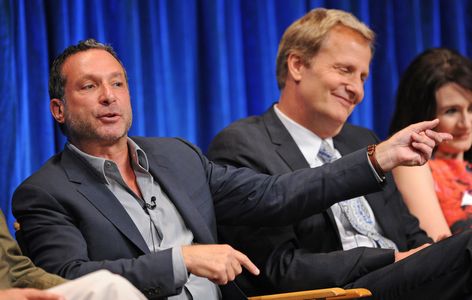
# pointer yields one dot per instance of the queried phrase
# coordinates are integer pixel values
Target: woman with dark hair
(438, 84)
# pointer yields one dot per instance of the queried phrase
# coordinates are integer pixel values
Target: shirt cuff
(179, 268)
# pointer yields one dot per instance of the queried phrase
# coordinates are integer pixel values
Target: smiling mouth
(464, 136)
(344, 100)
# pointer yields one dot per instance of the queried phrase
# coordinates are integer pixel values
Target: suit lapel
(192, 217)
(285, 145)
(288, 149)
(89, 185)
(341, 143)
(170, 184)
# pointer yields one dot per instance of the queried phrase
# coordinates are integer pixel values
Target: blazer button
(151, 292)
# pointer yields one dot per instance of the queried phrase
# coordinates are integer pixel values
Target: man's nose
(355, 88)
(107, 94)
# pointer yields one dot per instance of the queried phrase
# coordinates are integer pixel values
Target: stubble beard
(80, 130)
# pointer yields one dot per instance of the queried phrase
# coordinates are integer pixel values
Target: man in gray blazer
(146, 208)
(372, 241)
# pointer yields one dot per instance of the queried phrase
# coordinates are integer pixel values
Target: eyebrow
(110, 76)
(116, 74)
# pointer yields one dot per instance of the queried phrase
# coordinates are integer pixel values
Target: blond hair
(306, 35)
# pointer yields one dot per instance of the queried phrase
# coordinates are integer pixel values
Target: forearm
(417, 188)
(146, 272)
(287, 198)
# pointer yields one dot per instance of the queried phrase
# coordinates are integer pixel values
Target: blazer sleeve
(243, 196)
(17, 270)
(285, 264)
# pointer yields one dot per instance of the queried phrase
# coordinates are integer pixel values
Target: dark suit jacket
(306, 255)
(17, 270)
(73, 225)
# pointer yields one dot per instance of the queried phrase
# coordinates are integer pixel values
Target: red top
(452, 179)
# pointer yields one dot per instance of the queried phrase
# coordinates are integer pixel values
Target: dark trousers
(441, 271)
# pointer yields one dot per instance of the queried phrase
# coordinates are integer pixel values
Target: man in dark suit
(370, 241)
(145, 207)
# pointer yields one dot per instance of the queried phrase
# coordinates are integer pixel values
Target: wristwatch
(374, 162)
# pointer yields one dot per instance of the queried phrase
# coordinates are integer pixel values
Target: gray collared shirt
(162, 226)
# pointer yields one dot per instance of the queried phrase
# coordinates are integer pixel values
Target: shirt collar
(138, 157)
(307, 141)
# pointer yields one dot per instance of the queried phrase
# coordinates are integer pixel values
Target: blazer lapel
(89, 185)
(177, 195)
(286, 146)
(288, 149)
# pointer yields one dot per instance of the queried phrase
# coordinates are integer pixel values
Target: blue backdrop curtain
(194, 66)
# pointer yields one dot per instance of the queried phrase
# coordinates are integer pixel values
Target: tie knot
(326, 153)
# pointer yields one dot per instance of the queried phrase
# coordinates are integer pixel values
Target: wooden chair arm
(303, 295)
(352, 294)
(328, 294)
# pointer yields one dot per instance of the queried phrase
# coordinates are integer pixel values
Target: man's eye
(88, 87)
(118, 84)
(344, 69)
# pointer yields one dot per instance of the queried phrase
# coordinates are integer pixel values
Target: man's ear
(295, 65)
(57, 109)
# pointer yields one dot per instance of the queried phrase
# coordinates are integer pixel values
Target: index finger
(423, 126)
(247, 263)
